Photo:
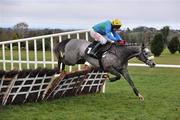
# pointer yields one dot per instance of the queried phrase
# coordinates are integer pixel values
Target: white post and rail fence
(16, 54)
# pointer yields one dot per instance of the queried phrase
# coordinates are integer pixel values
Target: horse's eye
(146, 54)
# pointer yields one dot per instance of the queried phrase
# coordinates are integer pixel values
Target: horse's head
(146, 57)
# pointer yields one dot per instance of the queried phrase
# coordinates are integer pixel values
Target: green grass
(23, 57)
(165, 58)
(159, 87)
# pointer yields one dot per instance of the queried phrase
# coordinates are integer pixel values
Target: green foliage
(173, 45)
(165, 32)
(157, 45)
(7, 34)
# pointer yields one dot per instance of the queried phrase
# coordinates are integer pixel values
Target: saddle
(102, 49)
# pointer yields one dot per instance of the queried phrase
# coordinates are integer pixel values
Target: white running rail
(22, 59)
(158, 65)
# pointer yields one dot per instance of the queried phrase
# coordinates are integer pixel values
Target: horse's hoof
(141, 98)
(106, 76)
(86, 67)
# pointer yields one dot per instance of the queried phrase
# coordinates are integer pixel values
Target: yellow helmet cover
(116, 22)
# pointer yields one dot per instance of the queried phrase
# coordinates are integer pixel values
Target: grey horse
(114, 60)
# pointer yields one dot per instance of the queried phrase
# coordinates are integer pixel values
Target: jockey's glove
(122, 42)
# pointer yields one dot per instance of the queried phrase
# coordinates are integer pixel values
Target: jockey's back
(103, 28)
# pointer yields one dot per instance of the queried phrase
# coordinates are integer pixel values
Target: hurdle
(18, 87)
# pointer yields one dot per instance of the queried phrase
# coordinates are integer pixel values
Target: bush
(173, 45)
(157, 45)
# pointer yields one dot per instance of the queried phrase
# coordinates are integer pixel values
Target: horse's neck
(125, 52)
(132, 51)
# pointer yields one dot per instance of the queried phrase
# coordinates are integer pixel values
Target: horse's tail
(60, 47)
(59, 50)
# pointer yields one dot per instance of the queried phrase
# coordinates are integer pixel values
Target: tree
(7, 34)
(179, 47)
(157, 45)
(165, 33)
(21, 29)
(173, 45)
(148, 37)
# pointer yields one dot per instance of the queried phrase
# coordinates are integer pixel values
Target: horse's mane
(128, 49)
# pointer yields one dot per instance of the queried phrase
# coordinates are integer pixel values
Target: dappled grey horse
(114, 60)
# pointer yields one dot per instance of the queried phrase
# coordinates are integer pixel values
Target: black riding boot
(93, 52)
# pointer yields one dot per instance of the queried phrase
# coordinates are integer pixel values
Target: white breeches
(98, 37)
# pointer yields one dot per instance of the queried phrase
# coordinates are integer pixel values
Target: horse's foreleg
(113, 71)
(126, 75)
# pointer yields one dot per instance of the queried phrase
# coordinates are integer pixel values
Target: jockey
(103, 32)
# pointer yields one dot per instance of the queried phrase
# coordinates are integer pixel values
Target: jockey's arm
(117, 36)
(109, 39)
(113, 36)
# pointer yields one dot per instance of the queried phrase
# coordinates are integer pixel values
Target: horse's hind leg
(61, 65)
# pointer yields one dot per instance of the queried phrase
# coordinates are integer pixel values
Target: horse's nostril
(154, 64)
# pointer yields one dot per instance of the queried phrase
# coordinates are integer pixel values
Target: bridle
(146, 55)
